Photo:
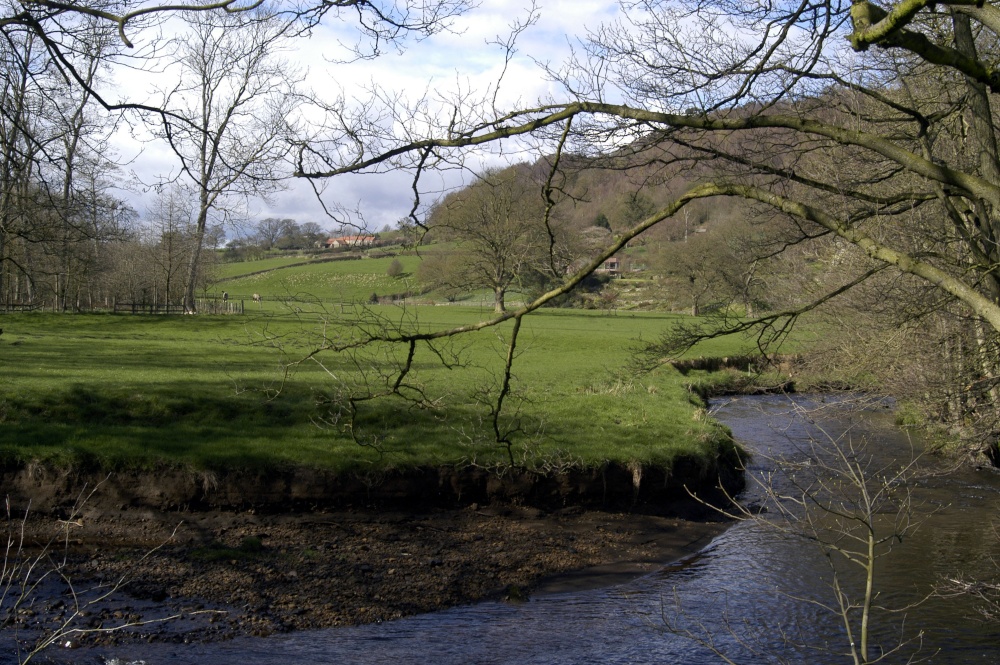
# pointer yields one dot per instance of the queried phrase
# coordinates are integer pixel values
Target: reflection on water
(753, 593)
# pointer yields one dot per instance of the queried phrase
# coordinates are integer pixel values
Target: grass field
(211, 392)
(304, 282)
(329, 281)
(226, 271)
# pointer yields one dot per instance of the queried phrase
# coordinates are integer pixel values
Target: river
(755, 594)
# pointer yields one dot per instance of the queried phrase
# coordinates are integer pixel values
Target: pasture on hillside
(214, 392)
(313, 282)
(318, 280)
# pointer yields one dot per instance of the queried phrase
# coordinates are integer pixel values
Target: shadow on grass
(191, 424)
(186, 423)
(154, 406)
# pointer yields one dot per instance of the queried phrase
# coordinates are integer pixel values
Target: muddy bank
(254, 553)
(259, 553)
(608, 487)
(222, 574)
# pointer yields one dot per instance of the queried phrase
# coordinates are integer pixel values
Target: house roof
(350, 240)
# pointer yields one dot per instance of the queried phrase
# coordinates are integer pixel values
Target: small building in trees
(349, 241)
(612, 267)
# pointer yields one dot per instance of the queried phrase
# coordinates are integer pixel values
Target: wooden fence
(20, 306)
(203, 305)
(146, 308)
(220, 306)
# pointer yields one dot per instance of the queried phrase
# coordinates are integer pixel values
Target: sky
(462, 56)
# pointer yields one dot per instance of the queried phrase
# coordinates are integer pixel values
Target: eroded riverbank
(265, 552)
(231, 574)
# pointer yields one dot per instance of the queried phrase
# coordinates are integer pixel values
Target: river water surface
(753, 593)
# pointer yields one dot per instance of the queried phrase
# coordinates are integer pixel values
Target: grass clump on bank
(210, 393)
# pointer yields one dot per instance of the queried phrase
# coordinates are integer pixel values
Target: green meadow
(296, 278)
(221, 392)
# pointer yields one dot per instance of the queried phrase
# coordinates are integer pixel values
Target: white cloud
(440, 63)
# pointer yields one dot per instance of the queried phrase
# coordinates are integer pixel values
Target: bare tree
(660, 58)
(270, 230)
(235, 97)
(699, 268)
(55, 209)
(52, 53)
(170, 243)
(82, 204)
(23, 133)
(497, 227)
(56, 26)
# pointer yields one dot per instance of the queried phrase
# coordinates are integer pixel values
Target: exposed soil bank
(611, 486)
(254, 554)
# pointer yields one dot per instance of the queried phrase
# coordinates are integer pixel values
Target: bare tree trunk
(988, 364)
(12, 168)
(983, 144)
(499, 294)
(234, 92)
(194, 262)
(3, 266)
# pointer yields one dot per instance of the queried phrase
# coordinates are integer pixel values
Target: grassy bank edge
(90, 384)
(719, 460)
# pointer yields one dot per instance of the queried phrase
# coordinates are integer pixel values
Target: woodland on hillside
(733, 260)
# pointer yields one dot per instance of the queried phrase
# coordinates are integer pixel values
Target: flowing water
(753, 593)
